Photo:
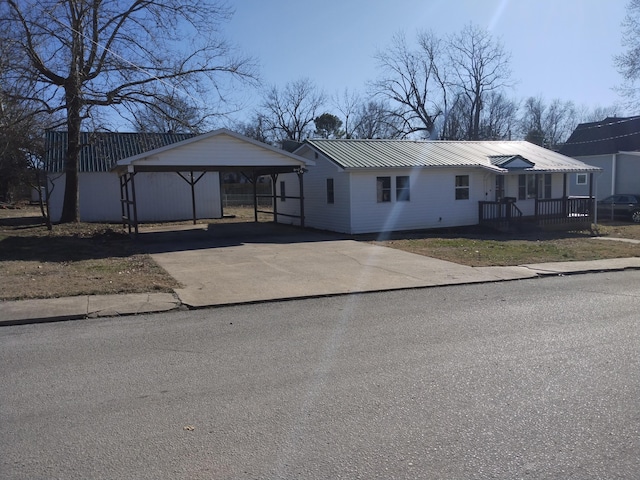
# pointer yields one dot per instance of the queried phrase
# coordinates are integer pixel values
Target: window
(330, 190)
(402, 189)
(283, 195)
(581, 179)
(462, 187)
(526, 187)
(383, 187)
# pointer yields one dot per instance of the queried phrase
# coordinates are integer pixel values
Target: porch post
(592, 201)
(564, 195)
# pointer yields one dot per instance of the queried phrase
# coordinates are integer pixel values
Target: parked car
(624, 206)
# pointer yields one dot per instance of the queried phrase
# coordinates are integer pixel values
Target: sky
(559, 48)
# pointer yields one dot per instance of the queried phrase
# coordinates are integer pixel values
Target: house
(613, 145)
(158, 177)
(366, 186)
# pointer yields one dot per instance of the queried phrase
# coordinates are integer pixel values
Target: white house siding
(55, 184)
(166, 196)
(318, 213)
(527, 206)
(160, 197)
(219, 150)
(290, 207)
(432, 201)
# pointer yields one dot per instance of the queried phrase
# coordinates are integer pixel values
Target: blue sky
(560, 48)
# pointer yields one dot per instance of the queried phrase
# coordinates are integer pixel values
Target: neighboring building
(613, 145)
(160, 196)
(366, 186)
(175, 174)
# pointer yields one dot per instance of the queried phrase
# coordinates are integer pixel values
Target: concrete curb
(48, 310)
(25, 312)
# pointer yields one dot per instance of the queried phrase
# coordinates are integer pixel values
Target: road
(527, 379)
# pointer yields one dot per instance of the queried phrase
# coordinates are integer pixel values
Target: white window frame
(403, 190)
(462, 188)
(580, 176)
(383, 189)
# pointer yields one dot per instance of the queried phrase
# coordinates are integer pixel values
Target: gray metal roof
(369, 154)
(611, 135)
(100, 151)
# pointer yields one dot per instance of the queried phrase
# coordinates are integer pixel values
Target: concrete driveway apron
(221, 265)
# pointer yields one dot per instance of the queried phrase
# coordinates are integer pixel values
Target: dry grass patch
(83, 258)
(480, 249)
(73, 259)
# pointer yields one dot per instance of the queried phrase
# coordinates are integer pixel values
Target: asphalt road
(528, 379)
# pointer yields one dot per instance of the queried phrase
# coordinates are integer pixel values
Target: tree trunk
(70, 205)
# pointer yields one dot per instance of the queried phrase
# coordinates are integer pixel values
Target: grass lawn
(480, 249)
(87, 258)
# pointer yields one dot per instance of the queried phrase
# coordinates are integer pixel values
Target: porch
(567, 213)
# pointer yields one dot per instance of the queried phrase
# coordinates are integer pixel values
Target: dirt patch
(82, 258)
(72, 259)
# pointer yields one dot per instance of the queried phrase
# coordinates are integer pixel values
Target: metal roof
(100, 151)
(370, 154)
(611, 135)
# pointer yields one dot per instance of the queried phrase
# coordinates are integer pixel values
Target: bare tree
(587, 114)
(548, 124)
(409, 80)
(628, 63)
(480, 66)
(169, 113)
(443, 82)
(86, 54)
(255, 128)
(347, 104)
(21, 126)
(289, 112)
(499, 117)
(376, 120)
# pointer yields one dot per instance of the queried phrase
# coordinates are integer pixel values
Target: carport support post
(192, 183)
(135, 204)
(193, 197)
(301, 182)
(254, 178)
(274, 180)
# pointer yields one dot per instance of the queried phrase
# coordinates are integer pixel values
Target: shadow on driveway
(172, 238)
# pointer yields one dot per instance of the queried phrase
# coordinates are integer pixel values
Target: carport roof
(100, 151)
(219, 150)
(106, 151)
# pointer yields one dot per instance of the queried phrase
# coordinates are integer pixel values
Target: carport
(218, 151)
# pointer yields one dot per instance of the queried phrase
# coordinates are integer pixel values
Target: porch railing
(500, 215)
(559, 212)
(571, 210)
